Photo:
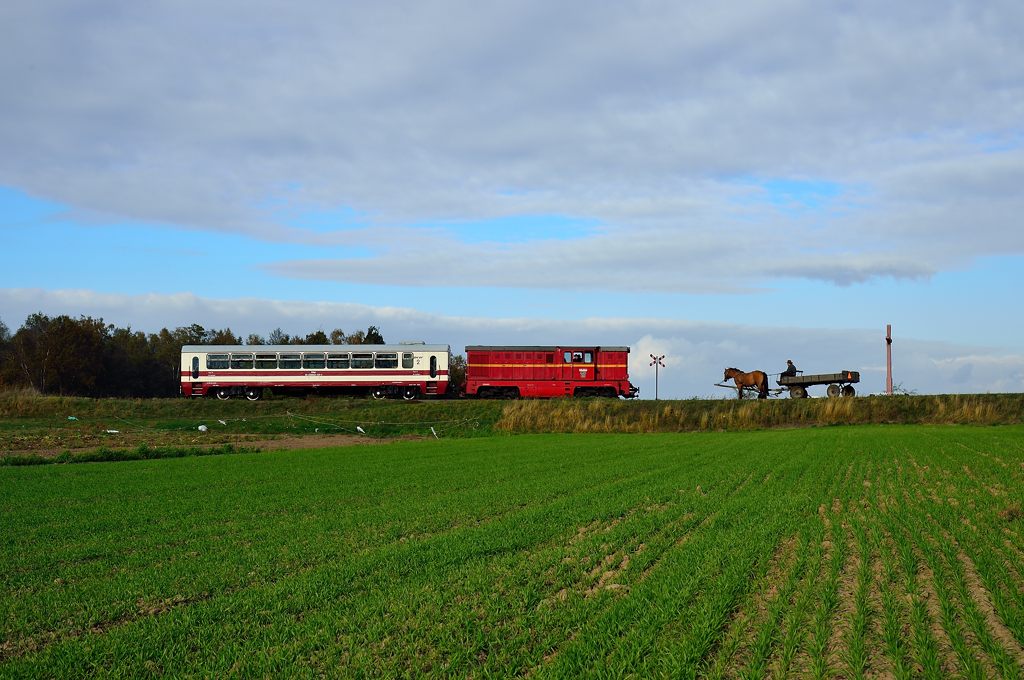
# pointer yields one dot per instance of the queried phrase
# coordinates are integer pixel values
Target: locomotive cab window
(568, 357)
(289, 361)
(588, 358)
(335, 360)
(215, 361)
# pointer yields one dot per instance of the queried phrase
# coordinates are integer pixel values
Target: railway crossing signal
(657, 362)
(888, 358)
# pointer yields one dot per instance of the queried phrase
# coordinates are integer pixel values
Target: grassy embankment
(821, 552)
(704, 415)
(39, 429)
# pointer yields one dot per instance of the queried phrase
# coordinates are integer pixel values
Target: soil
(259, 442)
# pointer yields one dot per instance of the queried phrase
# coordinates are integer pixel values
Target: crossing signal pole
(656, 362)
(888, 358)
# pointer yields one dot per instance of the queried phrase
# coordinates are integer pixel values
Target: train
(546, 371)
(407, 370)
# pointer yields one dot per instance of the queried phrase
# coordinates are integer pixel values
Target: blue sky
(727, 185)
(115, 258)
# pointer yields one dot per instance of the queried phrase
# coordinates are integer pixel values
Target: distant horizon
(692, 356)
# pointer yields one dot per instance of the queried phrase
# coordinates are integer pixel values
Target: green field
(820, 552)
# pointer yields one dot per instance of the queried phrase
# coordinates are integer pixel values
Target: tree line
(89, 358)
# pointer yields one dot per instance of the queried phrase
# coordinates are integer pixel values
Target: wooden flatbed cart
(839, 384)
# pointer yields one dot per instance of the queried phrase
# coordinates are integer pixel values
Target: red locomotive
(548, 371)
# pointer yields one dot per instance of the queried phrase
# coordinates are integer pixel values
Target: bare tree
(278, 337)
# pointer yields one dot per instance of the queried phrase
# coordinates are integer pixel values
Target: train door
(563, 359)
(191, 380)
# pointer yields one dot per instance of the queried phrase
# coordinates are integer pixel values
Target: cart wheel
(797, 392)
(848, 391)
(833, 391)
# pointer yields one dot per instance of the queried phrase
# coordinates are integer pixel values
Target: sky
(727, 184)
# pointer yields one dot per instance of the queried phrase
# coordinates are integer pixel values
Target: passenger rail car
(511, 371)
(406, 370)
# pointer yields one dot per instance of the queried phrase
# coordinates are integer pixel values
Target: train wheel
(848, 391)
(378, 393)
(223, 393)
(253, 393)
(410, 393)
(797, 392)
(833, 391)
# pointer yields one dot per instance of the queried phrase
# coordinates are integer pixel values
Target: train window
(568, 357)
(588, 357)
(266, 361)
(214, 361)
(386, 360)
(337, 360)
(362, 360)
(406, 360)
(313, 360)
(241, 361)
(433, 367)
(289, 361)
(195, 367)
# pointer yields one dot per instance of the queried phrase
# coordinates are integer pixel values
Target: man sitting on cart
(790, 370)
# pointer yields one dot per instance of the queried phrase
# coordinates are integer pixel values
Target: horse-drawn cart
(756, 382)
(839, 384)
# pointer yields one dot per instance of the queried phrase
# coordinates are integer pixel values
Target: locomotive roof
(408, 347)
(541, 348)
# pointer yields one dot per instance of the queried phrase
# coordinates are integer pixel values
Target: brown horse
(756, 379)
